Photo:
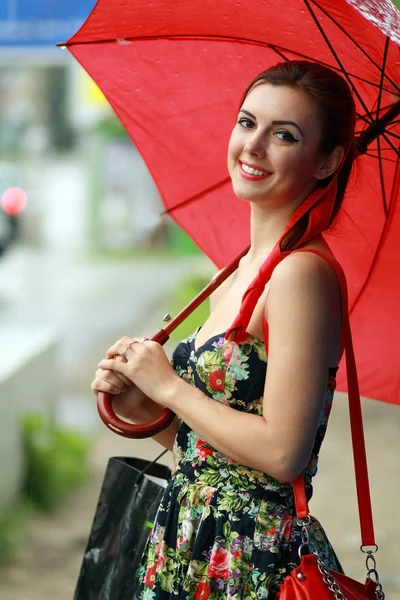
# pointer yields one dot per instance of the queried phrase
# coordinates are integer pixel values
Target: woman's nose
(256, 145)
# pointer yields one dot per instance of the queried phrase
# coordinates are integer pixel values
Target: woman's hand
(146, 365)
(128, 401)
(110, 382)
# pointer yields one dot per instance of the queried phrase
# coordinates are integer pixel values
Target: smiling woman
(226, 526)
(284, 151)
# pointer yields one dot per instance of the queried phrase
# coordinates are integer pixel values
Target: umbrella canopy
(174, 73)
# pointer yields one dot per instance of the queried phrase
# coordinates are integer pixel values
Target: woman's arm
(302, 308)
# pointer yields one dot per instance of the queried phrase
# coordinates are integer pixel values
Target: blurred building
(88, 187)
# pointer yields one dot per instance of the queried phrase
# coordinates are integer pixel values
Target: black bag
(129, 498)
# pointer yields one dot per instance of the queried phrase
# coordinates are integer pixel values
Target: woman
(225, 527)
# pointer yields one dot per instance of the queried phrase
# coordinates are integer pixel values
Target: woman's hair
(337, 115)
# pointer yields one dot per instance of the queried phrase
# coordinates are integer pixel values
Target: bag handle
(356, 424)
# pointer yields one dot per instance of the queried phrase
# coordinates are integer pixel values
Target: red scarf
(319, 204)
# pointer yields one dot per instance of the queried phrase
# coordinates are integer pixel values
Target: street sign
(40, 23)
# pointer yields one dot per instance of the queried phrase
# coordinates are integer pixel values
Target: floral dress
(225, 531)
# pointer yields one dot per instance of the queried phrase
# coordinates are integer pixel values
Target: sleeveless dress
(225, 531)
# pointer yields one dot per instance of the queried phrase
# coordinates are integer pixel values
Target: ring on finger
(128, 347)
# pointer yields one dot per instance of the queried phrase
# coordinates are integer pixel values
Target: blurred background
(85, 260)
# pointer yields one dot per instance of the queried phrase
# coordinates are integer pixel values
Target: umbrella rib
(393, 135)
(384, 158)
(335, 55)
(390, 143)
(196, 197)
(377, 128)
(381, 177)
(395, 180)
(278, 51)
(384, 59)
(393, 124)
(343, 30)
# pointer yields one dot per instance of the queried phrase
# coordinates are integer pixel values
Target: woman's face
(273, 150)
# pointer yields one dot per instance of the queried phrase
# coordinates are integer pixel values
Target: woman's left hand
(147, 366)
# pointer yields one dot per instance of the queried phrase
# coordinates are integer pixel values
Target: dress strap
(265, 331)
(319, 205)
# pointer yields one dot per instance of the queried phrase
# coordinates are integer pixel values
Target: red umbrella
(174, 73)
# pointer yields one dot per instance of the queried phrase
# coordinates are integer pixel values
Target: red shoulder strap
(318, 205)
(357, 432)
(265, 331)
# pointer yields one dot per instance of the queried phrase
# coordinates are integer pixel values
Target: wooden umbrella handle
(143, 430)
(134, 430)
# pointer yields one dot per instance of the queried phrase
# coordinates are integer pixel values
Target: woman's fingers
(109, 382)
(127, 382)
(122, 346)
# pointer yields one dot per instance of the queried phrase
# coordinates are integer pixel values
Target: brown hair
(337, 114)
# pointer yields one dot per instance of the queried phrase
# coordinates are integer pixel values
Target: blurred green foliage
(183, 295)
(111, 127)
(13, 523)
(179, 241)
(56, 461)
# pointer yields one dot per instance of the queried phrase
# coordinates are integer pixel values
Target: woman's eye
(286, 136)
(245, 122)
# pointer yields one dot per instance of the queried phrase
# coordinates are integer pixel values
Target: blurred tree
(8, 230)
(61, 133)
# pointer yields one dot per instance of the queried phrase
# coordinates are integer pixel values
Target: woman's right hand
(128, 401)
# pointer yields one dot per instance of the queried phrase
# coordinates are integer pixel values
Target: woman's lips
(251, 177)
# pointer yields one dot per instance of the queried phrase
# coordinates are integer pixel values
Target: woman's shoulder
(306, 270)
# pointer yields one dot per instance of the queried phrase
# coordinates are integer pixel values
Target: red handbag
(311, 580)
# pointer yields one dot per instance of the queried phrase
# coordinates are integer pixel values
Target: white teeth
(252, 171)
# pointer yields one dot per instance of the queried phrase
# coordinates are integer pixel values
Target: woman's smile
(252, 172)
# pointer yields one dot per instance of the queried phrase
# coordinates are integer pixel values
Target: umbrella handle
(134, 430)
(104, 401)
(130, 430)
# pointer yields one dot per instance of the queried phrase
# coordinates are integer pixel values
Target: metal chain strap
(328, 578)
(330, 581)
(372, 572)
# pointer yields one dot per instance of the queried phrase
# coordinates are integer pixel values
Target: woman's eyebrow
(246, 112)
(288, 123)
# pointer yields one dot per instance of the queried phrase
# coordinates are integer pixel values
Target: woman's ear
(329, 164)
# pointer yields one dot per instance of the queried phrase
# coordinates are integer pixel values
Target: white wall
(28, 383)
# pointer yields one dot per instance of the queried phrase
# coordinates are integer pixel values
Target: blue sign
(41, 22)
